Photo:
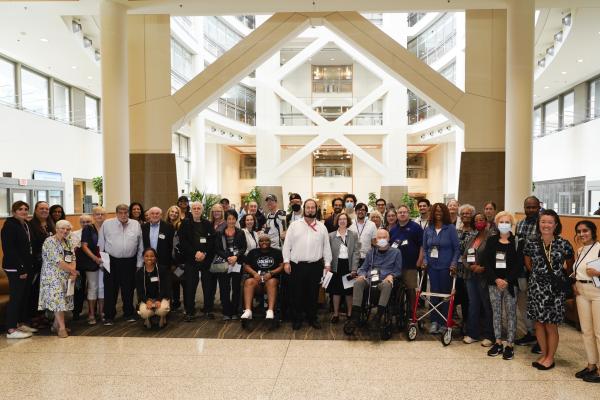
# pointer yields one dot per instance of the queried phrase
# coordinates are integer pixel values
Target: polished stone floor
(95, 367)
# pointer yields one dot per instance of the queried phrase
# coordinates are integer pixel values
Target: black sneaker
(188, 318)
(209, 315)
(526, 340)
(495, 350)
(509, 353)
(536, 349)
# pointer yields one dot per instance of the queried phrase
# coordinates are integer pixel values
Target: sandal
(91, 321)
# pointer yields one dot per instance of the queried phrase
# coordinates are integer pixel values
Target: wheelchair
(394, 315)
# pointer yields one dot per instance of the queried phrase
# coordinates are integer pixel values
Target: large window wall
(182, 64)
(24, 88)
(435, 41)
(218, 36)
(238, 103)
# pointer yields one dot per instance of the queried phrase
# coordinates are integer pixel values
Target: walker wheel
(447, 337)
(412, 332)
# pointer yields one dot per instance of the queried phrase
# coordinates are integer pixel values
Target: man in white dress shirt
(306, 252)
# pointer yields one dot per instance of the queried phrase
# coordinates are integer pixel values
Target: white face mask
(381, 243)
(504, 227)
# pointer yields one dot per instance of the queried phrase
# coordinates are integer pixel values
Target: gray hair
(155, 208)
(196, 203)
(466, 207)
(63, 223)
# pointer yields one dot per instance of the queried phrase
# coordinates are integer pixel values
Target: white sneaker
(248, 314)
(469, 340)
(270, 314)
(487, 343)
(17, 334)
(27, 329)
(434, 328)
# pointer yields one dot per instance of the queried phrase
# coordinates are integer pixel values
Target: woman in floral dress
(58, 267)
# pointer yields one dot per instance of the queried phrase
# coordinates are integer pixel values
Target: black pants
(305, 282)
(284, 298)
(121, 276)
(177, 284)
(229, 291)
(190, 285)
(33, 291)
(18, 308)
(80, 293)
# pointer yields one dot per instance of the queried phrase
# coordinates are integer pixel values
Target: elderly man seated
(264, 265)
(382, 264)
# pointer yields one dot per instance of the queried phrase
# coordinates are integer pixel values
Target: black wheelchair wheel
(447, 337)
(386, 332)
(412, 332)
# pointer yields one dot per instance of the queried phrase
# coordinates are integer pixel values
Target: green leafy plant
(97, 184)
(411, 203)
(372, 200)
(254, 195)
(208, 200)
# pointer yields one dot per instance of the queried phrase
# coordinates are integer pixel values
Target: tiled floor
(84, 367)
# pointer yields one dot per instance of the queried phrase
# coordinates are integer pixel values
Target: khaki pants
(146, 313)
(588, 308)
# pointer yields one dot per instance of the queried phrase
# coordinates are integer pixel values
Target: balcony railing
(413, 18)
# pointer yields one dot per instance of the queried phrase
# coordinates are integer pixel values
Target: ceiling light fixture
(580, 60)
(546, 87)
(564, 72)
(89, 77)
(74, 66)
(44, 40)
(332, 59)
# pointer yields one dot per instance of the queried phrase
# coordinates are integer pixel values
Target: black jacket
(512, 258)
(16, 246)
(164, 244)
(189, 246)
(239, 242)
(164, 280)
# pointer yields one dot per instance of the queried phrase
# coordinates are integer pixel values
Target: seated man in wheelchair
(381, 266)
(264, 265)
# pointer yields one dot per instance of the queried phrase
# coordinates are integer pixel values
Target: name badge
(434, 252)
(471, 258)
(500, 256)
(500, 264)
(161, 236)
(404, 243)
(471, 251)
(395, 245)
(202, 240)
(68, 258)
(154, 279)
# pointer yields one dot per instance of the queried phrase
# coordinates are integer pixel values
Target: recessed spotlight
(564, 72)
(89, 77)
(332, 59)
(535, 95)
(74, 66)
(580, 60)
(44, 40)
(546, 87)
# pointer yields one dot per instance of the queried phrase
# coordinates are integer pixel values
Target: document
(234, 268)
(348, 281)
(178, 272)
(595, 264)
(105, 261)
(70, 287)
(326, 279)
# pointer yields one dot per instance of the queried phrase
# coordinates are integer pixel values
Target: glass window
(332, 78)
(62, 109)
(551, 117)
(436, 41)
(332, 163)
(568, 109)
(34, 92)
(449, 72)
(4, 206)
(7, 82)
(91, 113)
(181, 61)
(218, 36)
(42, 195)
(247, 166)
(416, 165)
(54, 197)
(537, 122)
(595, 99)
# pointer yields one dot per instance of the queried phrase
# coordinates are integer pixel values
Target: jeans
(440, 281)
(479, 302)
(503, 298)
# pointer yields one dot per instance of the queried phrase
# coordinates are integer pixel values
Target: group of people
(287, 257)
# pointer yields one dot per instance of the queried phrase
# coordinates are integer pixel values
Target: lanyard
(344, 240)
(312, 226)
(360, 231)
(580, 259)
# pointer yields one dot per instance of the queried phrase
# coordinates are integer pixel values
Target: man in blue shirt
(407, 236)
(385, 260)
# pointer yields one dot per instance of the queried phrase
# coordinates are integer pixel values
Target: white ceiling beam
(362, 104)
(367, 130)
(360, 153)
(300, 154)
(360, 57)
(301, 57)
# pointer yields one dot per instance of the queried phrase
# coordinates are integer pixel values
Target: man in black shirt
(197, 243)
(264, 265)
(331, 222)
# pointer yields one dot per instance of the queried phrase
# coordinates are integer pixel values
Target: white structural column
(394, 147)
(115, 107)
(519, 102)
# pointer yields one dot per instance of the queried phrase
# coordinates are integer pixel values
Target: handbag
(218, 267)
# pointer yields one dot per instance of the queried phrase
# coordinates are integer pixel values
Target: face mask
(295, 207)
(349, 204)
(381, 243)
(504, 227)
(480, 225)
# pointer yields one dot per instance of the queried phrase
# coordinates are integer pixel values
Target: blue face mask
(349, 204)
